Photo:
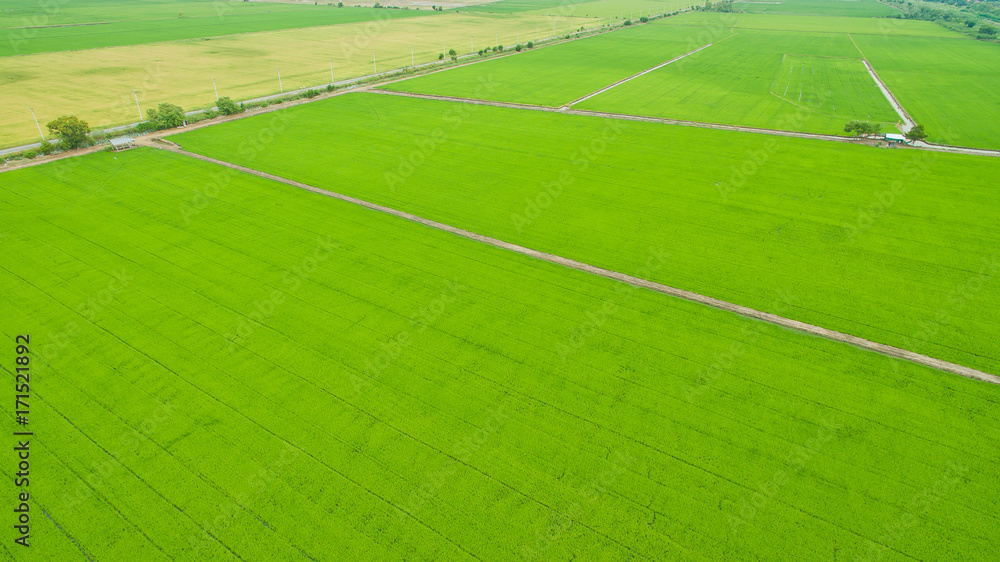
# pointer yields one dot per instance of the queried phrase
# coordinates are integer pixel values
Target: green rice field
(91, 24)
(743, 215)
(850, 8)
(813, 24)
(562, 73)
(230, 368)
(948, 85)
(771, 80)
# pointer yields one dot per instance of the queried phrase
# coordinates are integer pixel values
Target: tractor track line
(747, 312)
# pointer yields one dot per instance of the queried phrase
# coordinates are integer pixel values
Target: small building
(893, 138)
(122, 143)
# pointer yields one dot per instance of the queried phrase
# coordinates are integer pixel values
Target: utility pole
(36, 123)
(374, 64)
(134, 95)
(216, 87)
(280, 87)
(411, 56)
(331, 73)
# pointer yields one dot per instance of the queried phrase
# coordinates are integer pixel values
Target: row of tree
(868, 129)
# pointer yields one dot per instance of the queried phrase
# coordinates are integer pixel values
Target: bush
(310, 94)
(454, 58)
(628, 22)
(863, 128)
(517, 47)
(987, 29)
(500, 48)
(440, 56)
(643, 19)
(494, 48)
(166, 116)
(46, 147)
(916, 133)
(71, 130)
(451, 52)
(531, 44)
(31, 154)
(227, 106)
(330, 87)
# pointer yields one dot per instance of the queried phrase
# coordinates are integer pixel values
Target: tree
(440, 56)
(863, 128)
(451, 52)
(916, 133)
(167, 116)
(227, 106)
(987, 29)
(71, 130)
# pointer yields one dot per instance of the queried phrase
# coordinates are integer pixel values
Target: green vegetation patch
(210, 19)
(895, 246)
(223, 367)
(560, 74)
(813, 24)
(847, 8)
(837, 87)
(758, 79)
(948, 85)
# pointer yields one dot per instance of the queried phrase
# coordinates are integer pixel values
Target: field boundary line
(684, 123)
(781, 321)
(908, 122)
(634, 76)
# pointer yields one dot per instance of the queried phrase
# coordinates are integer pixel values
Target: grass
(813, 24)
(742, 215)
(948, 85)
(563, 73)
(97, 85)
(843, 8)
(160, 437)
(231, 18)
(772, 80)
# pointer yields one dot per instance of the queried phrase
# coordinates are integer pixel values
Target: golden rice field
(97, 84)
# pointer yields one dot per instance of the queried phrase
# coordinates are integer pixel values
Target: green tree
(166, 116)
(863, 128)
(451, 52)
(227, 106)
(71, 130)
(916, 133)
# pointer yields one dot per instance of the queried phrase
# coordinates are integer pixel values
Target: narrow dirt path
(908, 122)
(634, 76)
(699, 124)
(883, 349)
